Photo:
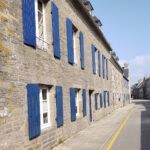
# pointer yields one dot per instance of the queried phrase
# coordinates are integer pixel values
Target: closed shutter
(82, 50)
(104, 99)
(33, 110)
(93, 59)
(99, 63)
(96, 102)
(73, 103)
(29, 25)
(69, 27)
(84, 102)
(55, 24)
(59, 105)
(101, 100)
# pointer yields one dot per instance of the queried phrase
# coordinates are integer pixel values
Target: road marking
(117, 133)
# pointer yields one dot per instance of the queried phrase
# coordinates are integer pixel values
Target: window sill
(42, 45)
(47, 129)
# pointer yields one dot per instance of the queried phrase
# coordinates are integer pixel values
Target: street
(136, 133)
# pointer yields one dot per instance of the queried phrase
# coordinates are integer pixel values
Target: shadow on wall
(145, 125)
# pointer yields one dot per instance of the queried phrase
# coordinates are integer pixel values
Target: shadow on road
(145, 124)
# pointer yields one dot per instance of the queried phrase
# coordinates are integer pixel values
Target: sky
(126, 25)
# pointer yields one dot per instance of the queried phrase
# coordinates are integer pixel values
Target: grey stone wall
(21, 64)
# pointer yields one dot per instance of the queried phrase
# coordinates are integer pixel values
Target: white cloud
(139, 67)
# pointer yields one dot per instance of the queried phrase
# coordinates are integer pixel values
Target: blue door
(90, 106)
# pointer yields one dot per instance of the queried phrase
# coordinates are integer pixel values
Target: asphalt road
(136, 133)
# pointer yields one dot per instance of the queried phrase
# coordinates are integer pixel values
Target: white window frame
(48, 124)
(41, 43)
(75, 48)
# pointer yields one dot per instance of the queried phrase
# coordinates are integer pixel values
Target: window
(45, 107)
(78, 102)
(75, 43)
(40, 23)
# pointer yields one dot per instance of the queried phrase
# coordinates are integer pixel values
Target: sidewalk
(97, 135)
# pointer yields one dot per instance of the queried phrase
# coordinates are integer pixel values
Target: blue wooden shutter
(84, 102)
(82, 50)
(96, 103)
(29, 25)
(107, 69)
(93, 59)
(59, 105)
(73, 103)
(33, 110)
(108, 98)
(69, 27)
(103, 65)
(55, 24)
(101, 100)
(104, 99)
(99, 63)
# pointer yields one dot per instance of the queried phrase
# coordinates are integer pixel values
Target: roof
(116, 64)
(86, 15)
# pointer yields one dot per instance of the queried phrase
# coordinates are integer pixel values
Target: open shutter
(33, 110)
(99, 63)
(93, 59)
(69, 27)
(59, 105)
(55, 24)
(73, 103)
(104, 99)
(108, 98)
(82, 50)
(107, 69)
(84, 102)
(101, 100)
(96, 102)
(29, 25)
(103, 65)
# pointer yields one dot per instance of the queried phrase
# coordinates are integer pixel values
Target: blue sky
(126, 25)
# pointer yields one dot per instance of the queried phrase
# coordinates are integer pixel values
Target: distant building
(141, 90)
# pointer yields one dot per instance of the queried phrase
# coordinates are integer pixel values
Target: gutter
(116, 64)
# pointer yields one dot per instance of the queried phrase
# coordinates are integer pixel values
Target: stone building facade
(120, 90)
(55, 72)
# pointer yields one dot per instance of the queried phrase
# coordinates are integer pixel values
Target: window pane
(45, 106)
(45, 118)
(40, 6)
(44, 94)
(40, 19)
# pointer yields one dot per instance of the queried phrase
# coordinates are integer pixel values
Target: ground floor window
(78, 101)
(45, 107)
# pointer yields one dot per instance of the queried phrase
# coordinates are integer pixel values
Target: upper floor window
(40, 23)
(78, 102)
(75, 44)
